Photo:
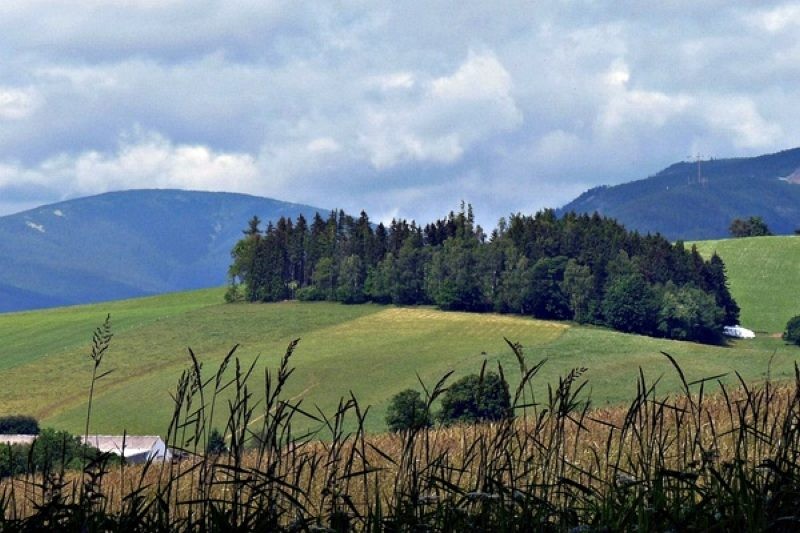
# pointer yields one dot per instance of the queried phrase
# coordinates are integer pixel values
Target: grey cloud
(105, 31)
(394, 107)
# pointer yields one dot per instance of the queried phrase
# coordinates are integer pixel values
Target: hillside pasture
(699, 463)
(372, 350)
(764, 274)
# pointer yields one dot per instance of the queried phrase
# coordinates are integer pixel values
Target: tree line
(580, 267)
(751, 227)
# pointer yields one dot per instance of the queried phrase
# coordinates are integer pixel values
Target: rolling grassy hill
(372, 350)
(764, 275)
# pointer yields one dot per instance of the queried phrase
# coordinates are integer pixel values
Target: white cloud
(480, 77)
(739, 117)
(142, 161)
(385, 105)
(780, 18)
(653, 108)
(16, 103)
(397, 80)
(453, 114)
(323, 145)
(390, 148)
(82, 78)
(557, 145)
(626, 107)
(14, 174)
(618, 75)
(153, 161)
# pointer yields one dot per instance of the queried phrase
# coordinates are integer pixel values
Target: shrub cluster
(577, 267)
(472, 399)
(792, 333)
(18, 425)
(751, 227)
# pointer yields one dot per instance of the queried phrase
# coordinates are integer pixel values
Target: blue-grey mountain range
(140, 242)
(699, 200)
(125, 244)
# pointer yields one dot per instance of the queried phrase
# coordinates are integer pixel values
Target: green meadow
(764, 274)
(373, 351)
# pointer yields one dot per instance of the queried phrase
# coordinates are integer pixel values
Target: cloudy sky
(398, 108)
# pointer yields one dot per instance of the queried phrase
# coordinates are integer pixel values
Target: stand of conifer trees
(578, 267)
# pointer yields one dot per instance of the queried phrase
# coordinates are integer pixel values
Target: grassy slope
(372, 350)
(764, 275)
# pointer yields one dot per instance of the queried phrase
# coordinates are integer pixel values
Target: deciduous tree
(475, 398)
(792, 333)
(407, 410)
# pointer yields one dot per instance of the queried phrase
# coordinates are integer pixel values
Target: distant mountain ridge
(124, 244)
(698, 200)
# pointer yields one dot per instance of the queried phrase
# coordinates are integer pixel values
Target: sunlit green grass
(375, 351)
(764, 274)
(372, 350)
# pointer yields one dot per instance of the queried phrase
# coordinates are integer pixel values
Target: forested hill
(678, 205)
(124, 244)
(579, 267)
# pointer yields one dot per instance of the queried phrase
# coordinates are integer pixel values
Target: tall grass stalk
(692, 461)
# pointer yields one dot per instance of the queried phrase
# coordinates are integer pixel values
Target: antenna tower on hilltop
(701, 180)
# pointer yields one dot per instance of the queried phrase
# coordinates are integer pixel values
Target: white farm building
(738, 332)
(134, 449)
(17, 439)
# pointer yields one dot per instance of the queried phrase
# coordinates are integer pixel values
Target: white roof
(738, 331)
(17, 439)
(133, 445)
(148, 445)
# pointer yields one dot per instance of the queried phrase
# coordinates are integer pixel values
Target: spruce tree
(718, 284)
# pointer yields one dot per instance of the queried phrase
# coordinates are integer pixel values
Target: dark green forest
(585, 268)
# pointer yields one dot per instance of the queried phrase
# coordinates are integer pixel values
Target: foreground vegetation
(685, 462)
(373, 350)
